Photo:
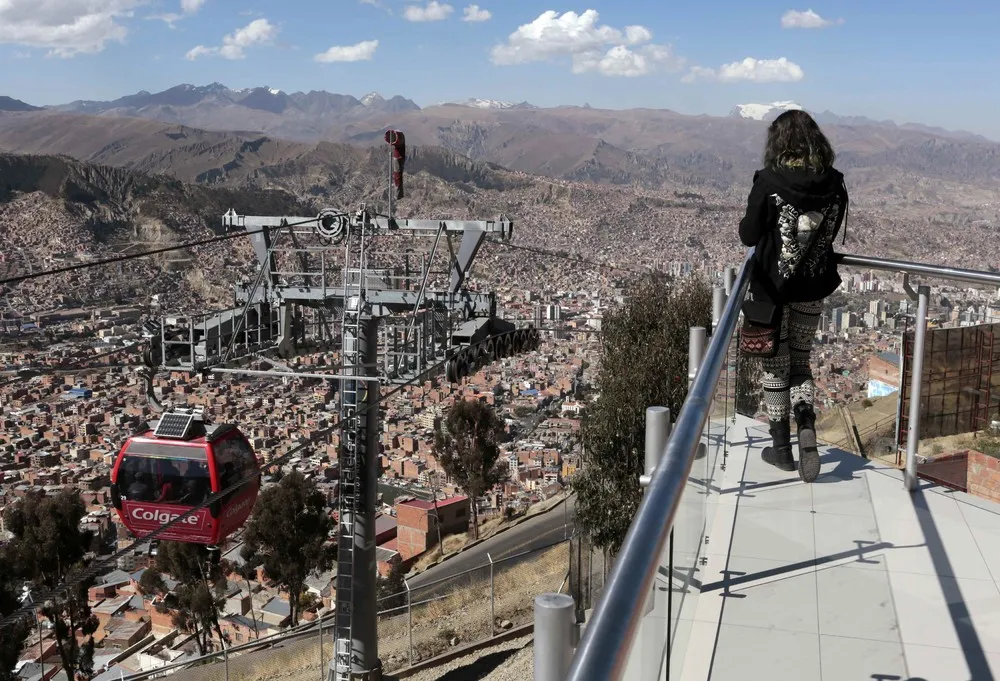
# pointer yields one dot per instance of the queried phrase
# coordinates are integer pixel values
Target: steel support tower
(326, 267)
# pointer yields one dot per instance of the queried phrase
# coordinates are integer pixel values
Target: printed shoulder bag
(759, 341)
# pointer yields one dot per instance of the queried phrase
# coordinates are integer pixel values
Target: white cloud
(476, 13)
(637, 34)
(359, 52)
(65, 27)
(794, 18)
(257, 32)
(188, 7)
(621, 61)
(378, 4)
(590, 46)
(754, 70)
(434, 11)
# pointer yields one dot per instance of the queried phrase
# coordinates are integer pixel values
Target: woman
(795, 210)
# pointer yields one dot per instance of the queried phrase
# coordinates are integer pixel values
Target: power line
(155, 251)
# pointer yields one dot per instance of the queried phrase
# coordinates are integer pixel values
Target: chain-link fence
(423, 622)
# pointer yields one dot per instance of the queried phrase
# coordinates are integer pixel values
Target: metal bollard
(696, 351)
(718, 303)
(553, 636)
(657, 433)
(913, 430)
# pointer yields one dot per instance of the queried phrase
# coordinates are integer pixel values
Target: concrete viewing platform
(848, 578)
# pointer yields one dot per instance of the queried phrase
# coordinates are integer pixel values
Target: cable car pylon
(395, 329)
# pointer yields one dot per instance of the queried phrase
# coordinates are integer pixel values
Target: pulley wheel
(331, 224)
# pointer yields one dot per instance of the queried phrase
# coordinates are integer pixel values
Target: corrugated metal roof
(890, 357)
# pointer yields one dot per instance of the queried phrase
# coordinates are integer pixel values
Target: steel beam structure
(423, 328)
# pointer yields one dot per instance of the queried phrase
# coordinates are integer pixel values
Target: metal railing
(604, 651)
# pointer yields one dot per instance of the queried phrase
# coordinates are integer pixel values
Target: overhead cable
(143, 254)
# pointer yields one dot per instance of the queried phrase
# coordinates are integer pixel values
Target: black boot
(779, 454)
(805, 419)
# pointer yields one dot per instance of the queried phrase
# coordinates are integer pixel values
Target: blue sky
(915, 61)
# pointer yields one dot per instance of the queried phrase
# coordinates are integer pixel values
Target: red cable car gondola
(175, 463)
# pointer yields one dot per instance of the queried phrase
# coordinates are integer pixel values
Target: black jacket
(793, 218)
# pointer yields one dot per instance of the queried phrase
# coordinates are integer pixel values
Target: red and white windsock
(397, 141)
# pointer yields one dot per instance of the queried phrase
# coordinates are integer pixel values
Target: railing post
(729, 278)
(913, 430)
(718, 303)
(657, 432)
(493, 616)
(409, 618)
(696, 351)
(553, 636)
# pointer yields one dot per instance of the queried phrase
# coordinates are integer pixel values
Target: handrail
(603, 652)
(906, 267)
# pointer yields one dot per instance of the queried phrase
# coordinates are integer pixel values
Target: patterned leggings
(788, 378)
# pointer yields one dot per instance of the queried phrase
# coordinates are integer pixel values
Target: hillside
(226, 158)
(650, 146)
(56, 212)
(652, 149)
(10, 104)
(677, 197)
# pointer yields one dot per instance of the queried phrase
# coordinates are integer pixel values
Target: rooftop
(890, 357)
(428, 505)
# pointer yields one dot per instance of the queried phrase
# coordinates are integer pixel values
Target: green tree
(287, 534)
(193, 600)
(643, 363)
(391, 589)
(467, 445)
(47, 545)
(11, 637)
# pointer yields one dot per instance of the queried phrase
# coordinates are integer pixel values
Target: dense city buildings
(62, 426)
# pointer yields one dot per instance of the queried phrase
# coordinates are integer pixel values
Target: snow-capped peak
(759, 112)
(273, 91)
(488, 103)
(479, 103)
(372, 98)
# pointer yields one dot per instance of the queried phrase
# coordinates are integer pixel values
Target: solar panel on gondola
(160, 474)
(174, 425)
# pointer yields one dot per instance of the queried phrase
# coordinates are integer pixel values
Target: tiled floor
(849, 578)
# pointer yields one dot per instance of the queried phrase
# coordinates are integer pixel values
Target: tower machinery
(400, 320)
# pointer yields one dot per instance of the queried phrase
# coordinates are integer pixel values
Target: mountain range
(318, 115)
(768, 112)
(623, 186)
(214, 134)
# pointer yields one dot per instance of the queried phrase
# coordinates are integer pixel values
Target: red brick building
(416, 530)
